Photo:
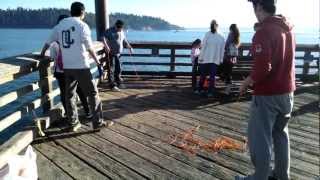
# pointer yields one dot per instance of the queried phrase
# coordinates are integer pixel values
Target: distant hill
(47, 18)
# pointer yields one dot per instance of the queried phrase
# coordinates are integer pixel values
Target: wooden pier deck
(147, 112)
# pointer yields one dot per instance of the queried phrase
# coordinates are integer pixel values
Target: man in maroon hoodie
(273, 80)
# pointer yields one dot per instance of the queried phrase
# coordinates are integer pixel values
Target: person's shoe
(121, 79)
(110, 123)
(240, 178)
(115, 89)
(89, 116)
(196, 92)
(272, 178)
(122, 86)
(209, 95)
(227, 91)
(102, 124)
(76, 127)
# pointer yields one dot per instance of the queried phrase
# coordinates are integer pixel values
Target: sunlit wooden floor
(147, 112)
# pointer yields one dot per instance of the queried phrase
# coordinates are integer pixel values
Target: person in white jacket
(211, 56)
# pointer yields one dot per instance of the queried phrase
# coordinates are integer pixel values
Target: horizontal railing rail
(306, 54)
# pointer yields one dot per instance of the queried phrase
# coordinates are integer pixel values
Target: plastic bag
(21, 167)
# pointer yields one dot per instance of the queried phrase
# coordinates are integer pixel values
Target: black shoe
(89, 116)
(121, 86)
(272, 178)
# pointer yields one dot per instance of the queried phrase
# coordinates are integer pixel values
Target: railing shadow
(60, 131)
(312, 107)
(163, 98)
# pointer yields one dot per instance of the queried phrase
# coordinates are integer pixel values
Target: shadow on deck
(147, 112)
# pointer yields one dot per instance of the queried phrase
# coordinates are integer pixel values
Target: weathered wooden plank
(166, 162)
(223, 118)
(75, 167)
(12, 96)
(131, 160)
(166, 124)
(98, 160)
(234, 117)
(158, 144)
(47, 170)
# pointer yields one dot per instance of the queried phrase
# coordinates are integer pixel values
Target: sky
(193, 13)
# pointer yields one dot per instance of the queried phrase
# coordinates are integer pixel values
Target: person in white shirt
(55, 54)
(211, 55)
(74, 38)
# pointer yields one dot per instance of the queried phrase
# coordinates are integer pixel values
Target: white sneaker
(76, 127)
(227, 91)
(115, 89)
(240, 178)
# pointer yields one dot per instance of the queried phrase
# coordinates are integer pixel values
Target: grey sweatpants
(268, 125)
(82, 78)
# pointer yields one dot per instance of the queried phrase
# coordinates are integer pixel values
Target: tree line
(47, 18)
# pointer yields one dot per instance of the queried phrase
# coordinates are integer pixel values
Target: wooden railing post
(46, 85)
(308, 58)
(155, 52)
(102, 17)
(172, 60)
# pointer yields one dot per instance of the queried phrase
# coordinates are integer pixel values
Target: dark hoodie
(273, 51)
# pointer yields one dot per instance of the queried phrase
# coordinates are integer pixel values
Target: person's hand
(245, 84)
(107, 50)
(42, 55)
(131, 50)
(243, 89)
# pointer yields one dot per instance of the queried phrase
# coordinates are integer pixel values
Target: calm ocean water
(20, 41)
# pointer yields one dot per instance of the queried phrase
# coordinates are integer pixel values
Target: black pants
(211, 70)
(62, 86)
(195, 72)
(114, 71)
(83, 79)
(226, 71)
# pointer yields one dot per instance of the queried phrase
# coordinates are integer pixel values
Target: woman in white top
(211, 55)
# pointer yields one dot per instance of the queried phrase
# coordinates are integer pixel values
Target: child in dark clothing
(195, 52)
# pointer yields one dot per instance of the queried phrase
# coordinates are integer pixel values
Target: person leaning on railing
(74, 37)
(273, 80)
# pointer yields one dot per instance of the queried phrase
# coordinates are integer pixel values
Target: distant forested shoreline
(47, 18)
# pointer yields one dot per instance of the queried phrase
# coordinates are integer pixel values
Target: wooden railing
(26, 97)
(305, 55)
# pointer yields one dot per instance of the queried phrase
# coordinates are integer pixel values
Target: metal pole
(102, 17)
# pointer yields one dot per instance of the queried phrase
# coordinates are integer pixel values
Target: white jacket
(212, 49)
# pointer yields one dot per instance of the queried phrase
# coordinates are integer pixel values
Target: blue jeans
(114, 71)
(268, 124)
(208, 69)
